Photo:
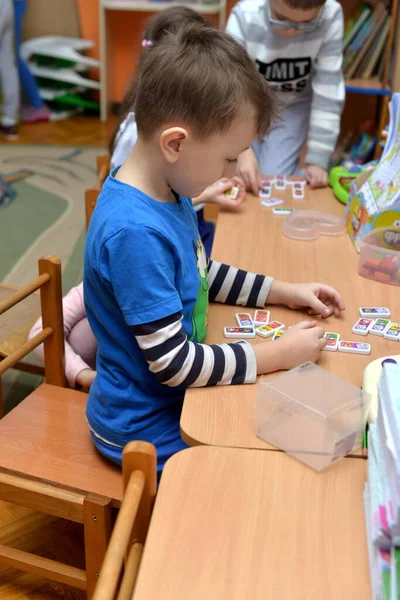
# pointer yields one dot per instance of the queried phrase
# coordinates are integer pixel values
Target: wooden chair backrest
(103, 162)
(52, 335)
(91, 196)
(139, 469)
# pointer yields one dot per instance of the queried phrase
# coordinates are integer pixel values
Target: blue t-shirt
(144, 261)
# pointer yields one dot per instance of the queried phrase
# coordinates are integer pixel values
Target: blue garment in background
(27, 80)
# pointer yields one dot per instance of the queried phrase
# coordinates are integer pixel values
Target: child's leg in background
(83, 342)
(28, 82)
(8, 69)
(279, 152)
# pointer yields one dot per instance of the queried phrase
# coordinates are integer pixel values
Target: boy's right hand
(248, 170)
(303, 342)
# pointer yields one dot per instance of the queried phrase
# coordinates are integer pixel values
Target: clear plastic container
(312, 414)
(380, 255)
(310, 224)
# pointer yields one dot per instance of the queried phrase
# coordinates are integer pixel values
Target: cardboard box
(360, 220)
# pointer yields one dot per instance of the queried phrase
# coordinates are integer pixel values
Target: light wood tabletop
(252, 239)
(245, 524)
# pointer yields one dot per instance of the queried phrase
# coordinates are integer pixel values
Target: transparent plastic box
(380, 255)
(312, 414)
(310, 224)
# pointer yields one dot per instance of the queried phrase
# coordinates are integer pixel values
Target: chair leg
(97, 528)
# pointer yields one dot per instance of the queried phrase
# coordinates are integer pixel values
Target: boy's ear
(172, 141)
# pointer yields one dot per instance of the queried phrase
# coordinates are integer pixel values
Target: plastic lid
(389, 360)
(310, 224)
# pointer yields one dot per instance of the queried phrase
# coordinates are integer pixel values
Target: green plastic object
(340, 180)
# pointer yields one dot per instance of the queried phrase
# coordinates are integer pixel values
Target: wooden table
(253, 240)
(244, 524)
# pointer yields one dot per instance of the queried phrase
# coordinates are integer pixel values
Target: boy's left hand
(215, 193)
(316, 176)
(320, 299)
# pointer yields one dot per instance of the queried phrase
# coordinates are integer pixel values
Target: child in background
(199, 104)
(37, 110)
(80, 343)
(297, 46)
(9, 84)
(169, 21)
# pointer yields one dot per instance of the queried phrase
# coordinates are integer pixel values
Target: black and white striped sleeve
(176, 361)
(229, 285)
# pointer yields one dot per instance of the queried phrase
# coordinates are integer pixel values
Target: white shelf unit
(212, 8)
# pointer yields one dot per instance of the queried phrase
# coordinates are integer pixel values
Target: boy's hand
(214, 194)
(316, 176)
(301, 343)
(248, 171)
(85, 378)
(319, 298)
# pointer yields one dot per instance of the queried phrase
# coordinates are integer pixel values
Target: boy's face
(199, 163)
(280, 10)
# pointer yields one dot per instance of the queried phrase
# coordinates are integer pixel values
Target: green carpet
(42, 211)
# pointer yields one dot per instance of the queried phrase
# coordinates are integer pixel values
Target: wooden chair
(103, 162)
(131, 526)
(48, 461)
(14, 330)
(91, 196)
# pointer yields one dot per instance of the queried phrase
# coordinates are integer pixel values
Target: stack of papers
(382, 490)
(382, 189)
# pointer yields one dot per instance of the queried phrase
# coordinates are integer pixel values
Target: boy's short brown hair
(201, 78)
(305, 4)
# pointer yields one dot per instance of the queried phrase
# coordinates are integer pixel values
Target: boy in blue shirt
(200, 102)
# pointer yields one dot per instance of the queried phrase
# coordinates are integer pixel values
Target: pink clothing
(80, 343)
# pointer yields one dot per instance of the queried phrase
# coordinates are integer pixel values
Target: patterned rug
(42, 211)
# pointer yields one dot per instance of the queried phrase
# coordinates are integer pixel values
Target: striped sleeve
(328, 95)
(229, 285)
(175, 361)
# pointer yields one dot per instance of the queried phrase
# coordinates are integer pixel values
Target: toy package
(374, 200)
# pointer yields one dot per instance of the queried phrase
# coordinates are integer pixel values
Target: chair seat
(47, 437)
(17, 322)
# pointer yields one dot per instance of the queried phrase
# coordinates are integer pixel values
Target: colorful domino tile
(333, 341)
(232, 193)
(261, 317)
(379, 327)
(269, 329)
(354, 347)
(392, 332)
(363, 326)
(239, 332)
(244, 320)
